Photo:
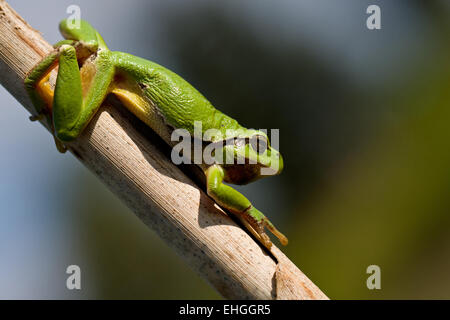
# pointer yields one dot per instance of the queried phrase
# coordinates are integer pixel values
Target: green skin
(79, 92)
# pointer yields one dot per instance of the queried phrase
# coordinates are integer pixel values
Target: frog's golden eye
(259, 144)
(239, 142)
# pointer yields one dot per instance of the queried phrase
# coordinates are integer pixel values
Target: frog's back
(176, 100)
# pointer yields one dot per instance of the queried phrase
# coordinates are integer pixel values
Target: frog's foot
(58, 143)
(37, 117)
(256, 222)
(281, 237)
(256, 228)
(62, 42)
(60, 146)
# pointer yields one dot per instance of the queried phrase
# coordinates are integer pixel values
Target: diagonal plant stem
(129, 159)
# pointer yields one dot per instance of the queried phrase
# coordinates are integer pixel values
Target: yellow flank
(134, 102)
(132, 97)
(45, 91)
(87, 73)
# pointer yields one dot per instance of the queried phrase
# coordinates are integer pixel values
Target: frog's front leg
(229, 198)
(69, 107)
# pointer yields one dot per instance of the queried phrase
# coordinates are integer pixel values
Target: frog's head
(82, 31)
(253, 156)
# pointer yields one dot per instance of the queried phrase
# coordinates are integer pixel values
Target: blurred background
(363, 116)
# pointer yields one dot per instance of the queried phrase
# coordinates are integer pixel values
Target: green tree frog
(88, 71)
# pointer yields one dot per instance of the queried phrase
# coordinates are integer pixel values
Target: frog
(88, 72)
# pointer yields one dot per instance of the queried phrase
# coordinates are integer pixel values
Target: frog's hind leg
(74, 100)
(79, 93)
(37, 84)
(41, 93)
(39, 90)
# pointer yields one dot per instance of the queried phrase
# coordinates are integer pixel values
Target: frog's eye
(239, 142)
(259, 144)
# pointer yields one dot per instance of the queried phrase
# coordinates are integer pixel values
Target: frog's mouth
(241, 173)
(276, 164)
(245, 173)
